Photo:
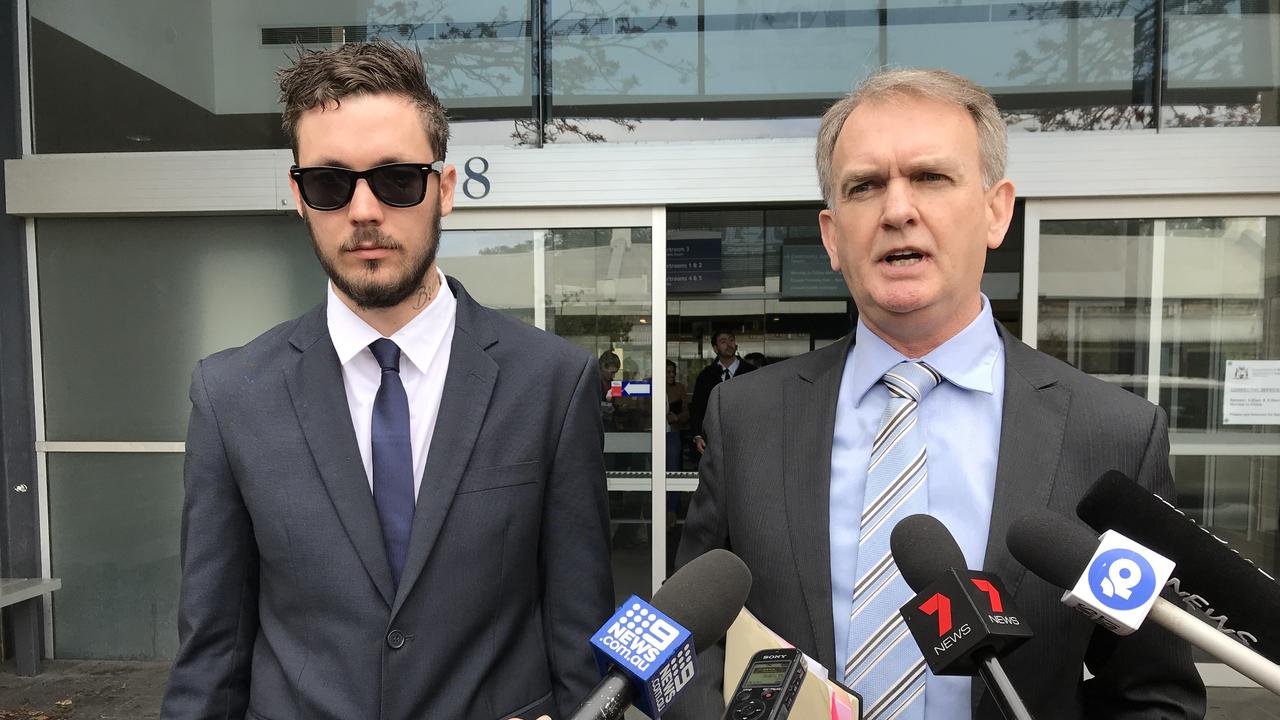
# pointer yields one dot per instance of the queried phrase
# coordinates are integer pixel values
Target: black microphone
(1116, 583)
(703, 598)
(1212, 580)
(961, 619)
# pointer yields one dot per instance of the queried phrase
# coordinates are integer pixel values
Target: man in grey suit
(395, 504)
(911, 165)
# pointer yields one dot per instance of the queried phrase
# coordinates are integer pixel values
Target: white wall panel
(1058, 165)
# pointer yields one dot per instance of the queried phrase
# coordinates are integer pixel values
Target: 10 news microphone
(963, 620)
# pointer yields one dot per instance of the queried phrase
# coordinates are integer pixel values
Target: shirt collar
(418, 340)
(967, 359)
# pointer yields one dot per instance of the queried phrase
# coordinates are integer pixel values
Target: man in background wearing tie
(928, 406)
(395, 504)
(727, 366)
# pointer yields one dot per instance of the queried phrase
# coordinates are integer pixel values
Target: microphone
(1116, 583)
(961, 619)
(1243, 595)
(647, 650)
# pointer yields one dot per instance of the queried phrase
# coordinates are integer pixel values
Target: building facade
(150, 223)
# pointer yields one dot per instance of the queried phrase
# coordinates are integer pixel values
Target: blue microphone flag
(652, 650)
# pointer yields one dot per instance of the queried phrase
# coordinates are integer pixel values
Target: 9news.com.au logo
(651, 649)
(1122, 579)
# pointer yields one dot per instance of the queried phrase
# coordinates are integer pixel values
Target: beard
(360, 286)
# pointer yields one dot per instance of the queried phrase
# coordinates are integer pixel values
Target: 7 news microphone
(1116, 583)
(646, 650)
(1211, 579)
(961, 619)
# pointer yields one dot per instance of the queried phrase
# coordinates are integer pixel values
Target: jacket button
(395, 639)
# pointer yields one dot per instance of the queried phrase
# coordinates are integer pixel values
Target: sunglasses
(399, 185)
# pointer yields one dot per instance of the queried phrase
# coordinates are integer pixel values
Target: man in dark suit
(395, 504)
(912, 168)
(727, 366)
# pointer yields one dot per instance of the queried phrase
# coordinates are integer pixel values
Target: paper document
(819, 699)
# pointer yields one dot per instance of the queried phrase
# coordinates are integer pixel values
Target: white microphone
(1116, 582)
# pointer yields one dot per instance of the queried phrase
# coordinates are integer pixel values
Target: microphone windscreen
(924, 550)
(1233, 587)
(1051, 546)
(706, 595)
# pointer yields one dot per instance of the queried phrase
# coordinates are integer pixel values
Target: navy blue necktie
(392, 457)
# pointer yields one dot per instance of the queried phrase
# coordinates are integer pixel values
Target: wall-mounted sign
(693, 262)
(1251, 393)
(807, 273)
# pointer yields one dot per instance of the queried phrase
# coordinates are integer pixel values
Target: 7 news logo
(939, 605)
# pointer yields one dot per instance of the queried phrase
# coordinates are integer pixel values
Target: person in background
(727, 366)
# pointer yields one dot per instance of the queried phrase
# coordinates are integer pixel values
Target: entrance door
(587, 275)
(1178, 301)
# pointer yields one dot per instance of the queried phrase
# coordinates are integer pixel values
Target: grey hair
(993, 141)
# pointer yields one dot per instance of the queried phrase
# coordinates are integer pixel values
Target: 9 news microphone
(1116, 583)
(1211, 579)
(647, 650)
(961, 619)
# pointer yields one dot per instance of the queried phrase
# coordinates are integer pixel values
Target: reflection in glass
(113, 531)
(1219, 305)
(1052, 65)
(149, 297)
(201, 76)
(1095, 297)
(1237, 498)
(1223, 63)
(1218, 302)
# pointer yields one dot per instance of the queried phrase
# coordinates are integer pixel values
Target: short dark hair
(715, 336)
(319, 78)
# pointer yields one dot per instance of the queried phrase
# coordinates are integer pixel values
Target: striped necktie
(883, 663)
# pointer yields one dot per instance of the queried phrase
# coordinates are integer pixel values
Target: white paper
(1251, 393)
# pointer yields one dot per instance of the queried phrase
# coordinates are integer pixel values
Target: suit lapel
(1032, 428)
(810, 398)
(319, 399)
(468, 386)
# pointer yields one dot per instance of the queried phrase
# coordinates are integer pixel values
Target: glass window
(1095, 297)
(1212, 285)
(128, 305)
(201, 76)
(1223, 63)
(1054, 65)
(114, 522)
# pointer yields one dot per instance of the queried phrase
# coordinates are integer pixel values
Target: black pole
(1001, 687)
(19, 509)
(541, 73)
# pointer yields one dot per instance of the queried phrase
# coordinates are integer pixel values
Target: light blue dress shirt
(961, 424)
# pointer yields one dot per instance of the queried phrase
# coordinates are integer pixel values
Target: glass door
(1177, 301)
(587, 276)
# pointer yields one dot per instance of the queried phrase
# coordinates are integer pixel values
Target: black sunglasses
(399, 185)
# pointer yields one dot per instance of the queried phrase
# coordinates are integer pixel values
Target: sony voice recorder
(769, 686)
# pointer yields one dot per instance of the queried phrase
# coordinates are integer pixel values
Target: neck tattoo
(426, 292)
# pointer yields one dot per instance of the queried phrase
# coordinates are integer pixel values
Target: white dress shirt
(425, 343)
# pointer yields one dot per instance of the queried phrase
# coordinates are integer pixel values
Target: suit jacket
(707, 381)
(288, 610)
(765, 496)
